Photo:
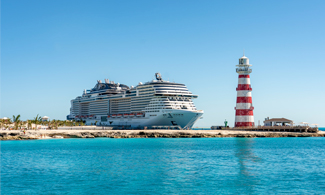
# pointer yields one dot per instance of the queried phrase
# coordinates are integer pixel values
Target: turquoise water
(164, 166)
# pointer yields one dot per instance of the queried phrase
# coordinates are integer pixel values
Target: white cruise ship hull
(181, 118)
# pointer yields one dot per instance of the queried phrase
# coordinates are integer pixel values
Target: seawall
(48, 134)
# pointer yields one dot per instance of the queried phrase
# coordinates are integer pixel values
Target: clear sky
(51, 50)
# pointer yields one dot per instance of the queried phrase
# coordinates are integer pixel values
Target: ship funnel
(99, 81)
(158, 76)
(107, 81)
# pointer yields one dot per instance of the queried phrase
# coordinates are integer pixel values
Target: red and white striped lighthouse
(244, 107)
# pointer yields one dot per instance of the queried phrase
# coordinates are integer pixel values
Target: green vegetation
(37, 120)
(17, 124)
(5, 123)
(17, 121)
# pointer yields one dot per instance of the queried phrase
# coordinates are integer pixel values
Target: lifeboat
(131, 115)
(139, 114)
(119, 115)
(113, 115)
(125, 115)
(77, 116)
(108, 116)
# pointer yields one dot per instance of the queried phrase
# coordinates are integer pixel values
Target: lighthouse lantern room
(244, 105)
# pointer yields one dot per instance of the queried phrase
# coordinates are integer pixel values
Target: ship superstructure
(155, 103)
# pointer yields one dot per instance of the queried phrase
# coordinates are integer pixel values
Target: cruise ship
(157, 103)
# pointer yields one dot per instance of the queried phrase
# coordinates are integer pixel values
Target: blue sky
(51, 50)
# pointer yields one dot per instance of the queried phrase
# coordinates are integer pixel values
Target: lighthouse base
(244, 124)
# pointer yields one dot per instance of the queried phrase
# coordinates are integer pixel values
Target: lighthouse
(244, 107)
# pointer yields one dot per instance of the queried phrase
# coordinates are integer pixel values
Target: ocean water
(202, 128)
(164, 166)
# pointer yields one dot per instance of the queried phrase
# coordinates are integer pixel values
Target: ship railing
(174, 127)
(85, 128)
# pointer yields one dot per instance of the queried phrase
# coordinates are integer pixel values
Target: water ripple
(164, 166)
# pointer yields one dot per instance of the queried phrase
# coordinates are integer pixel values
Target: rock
(88, 136)
(75, 135)
(57, 136)
(305, 135)
(4, 134)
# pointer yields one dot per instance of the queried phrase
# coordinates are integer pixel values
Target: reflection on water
(247, 160)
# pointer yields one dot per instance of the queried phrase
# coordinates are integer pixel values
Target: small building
(45, 118)
(278, 122)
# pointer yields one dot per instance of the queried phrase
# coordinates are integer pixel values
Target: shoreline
(56, 134)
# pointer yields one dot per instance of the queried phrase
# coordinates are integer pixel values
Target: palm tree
(22, 123)
(49, 124)
(63, 123)
(54, 124)
(16, 120)
(8, 121)
(1, 123)
(29, 124)
(37, 120)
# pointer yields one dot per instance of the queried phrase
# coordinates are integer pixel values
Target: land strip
(48, 134)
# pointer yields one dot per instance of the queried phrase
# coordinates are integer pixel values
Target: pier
(300, 129)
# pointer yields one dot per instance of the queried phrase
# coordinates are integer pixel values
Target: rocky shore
(49, 134)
